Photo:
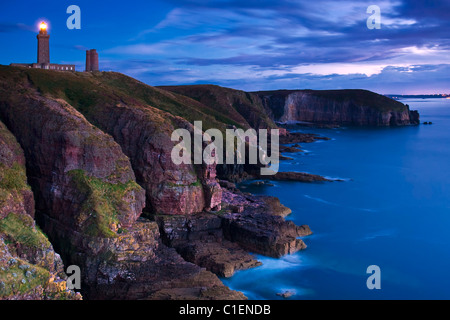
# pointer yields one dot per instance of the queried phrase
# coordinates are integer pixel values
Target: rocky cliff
(262, 110)
(143, 133)
(29, 266)
(337, 107)
(96, 153)
(245, 110)
(83, 179)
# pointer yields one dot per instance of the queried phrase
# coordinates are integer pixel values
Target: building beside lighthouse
(91, 60)
(43, 54)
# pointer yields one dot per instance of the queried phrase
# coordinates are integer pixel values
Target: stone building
(91, 60)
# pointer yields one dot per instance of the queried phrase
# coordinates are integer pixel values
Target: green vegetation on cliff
(21, 229)
(17, 280)
(87, 90)
(13, 178)
(28, 263)
(176, 104)
(12, 181)
(103, 203)
(245, 109)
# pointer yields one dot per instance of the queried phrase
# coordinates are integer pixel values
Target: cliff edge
(337, 107)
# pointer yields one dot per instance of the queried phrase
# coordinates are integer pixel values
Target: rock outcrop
(300, 137)
(256, 225)
(84, 186)
(138, 266)
(296, 176)
(80, 176)
(337, 107)
(200, 240)
(29, 267)
(220, 241)
(144, 134)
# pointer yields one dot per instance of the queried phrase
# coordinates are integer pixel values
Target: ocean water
(392, 210)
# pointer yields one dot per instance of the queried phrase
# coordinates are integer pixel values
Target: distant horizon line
(420, 95)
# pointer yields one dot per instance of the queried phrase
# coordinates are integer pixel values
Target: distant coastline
(418, 96)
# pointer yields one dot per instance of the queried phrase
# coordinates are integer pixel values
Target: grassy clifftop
(216, 106)
(84, 90)
(246, 109)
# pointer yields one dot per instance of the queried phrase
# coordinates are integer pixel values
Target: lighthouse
(43, 53)
(43, 46)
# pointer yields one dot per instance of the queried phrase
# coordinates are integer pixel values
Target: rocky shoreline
(225, 241)
(221, 241)
(189, 251)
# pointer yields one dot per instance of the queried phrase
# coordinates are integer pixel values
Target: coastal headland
(86, 179)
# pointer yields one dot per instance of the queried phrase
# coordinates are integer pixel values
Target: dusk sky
(248, 45)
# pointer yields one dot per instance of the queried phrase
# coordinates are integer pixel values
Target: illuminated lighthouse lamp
(43, 26)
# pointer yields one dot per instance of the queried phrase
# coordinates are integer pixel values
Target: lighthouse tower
(43, 54)
(43, 46)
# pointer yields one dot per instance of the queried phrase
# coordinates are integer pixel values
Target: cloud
(142, 49)
(15, 27)
(80, 48)
(256, 44)
(407, 79)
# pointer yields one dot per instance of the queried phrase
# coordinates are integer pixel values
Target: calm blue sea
(392, 210)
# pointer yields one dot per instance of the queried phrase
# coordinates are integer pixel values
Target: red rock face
(24, 206)
(58, 141)
(144, 136)
(144, 133)
(207, 175)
